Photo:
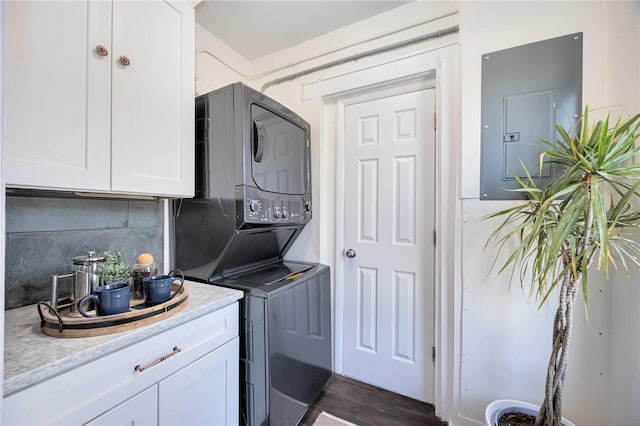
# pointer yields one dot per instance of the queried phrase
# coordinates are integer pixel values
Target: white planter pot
(501, 406)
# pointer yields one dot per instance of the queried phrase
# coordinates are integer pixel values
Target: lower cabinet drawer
(84, 393)
(140, 410)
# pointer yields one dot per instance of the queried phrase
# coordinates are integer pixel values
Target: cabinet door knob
(102, 51)
(124, 60)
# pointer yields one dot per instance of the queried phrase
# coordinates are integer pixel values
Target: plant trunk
(551, 409)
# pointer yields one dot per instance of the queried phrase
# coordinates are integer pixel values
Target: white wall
(495, 349)
(624, 351)
(216, 63)
(624, 338)
(498, 343)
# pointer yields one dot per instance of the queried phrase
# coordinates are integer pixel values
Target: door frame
(437, 68)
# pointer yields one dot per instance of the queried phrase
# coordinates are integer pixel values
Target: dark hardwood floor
(365, 405)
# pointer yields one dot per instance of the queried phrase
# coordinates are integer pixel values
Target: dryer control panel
(259, 207)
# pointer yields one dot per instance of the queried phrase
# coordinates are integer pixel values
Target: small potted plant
(585, 217)
(114, 269)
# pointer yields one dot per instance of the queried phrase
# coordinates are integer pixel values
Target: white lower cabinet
(198, 394)
(189, 377)
(202, 393)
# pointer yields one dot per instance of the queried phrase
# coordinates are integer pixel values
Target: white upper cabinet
(152, 142)
(99, 96)
(57, 95)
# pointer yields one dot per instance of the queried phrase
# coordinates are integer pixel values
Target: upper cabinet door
(153, 98)
(57, 95)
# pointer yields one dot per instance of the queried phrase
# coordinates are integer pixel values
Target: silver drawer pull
(159, 360)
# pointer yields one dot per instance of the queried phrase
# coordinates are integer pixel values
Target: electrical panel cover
(526, 90)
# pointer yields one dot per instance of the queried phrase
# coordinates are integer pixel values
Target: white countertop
(31, 357)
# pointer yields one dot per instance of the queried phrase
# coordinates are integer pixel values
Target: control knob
(285, 214)
(254, 206)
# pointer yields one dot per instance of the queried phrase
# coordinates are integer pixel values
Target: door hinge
(435, 120)
(433, 353)
(435, 237)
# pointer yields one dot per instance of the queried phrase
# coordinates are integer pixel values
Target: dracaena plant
(584, 218)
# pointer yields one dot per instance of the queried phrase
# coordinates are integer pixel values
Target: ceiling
(258, 28)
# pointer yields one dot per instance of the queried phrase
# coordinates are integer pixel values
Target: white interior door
(389, 148)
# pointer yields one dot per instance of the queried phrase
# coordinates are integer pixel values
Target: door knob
(351, 253)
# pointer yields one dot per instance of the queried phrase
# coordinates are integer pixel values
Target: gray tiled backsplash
(32, 214)
(44, 234)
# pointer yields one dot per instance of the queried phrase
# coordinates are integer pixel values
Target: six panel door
(389, 223)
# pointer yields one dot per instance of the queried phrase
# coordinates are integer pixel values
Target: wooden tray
(61, 325)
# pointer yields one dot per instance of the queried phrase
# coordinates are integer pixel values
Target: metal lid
(88, 259)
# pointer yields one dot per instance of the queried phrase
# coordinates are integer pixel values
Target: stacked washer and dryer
(252, 200)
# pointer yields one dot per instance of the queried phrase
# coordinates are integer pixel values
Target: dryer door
(279, 154)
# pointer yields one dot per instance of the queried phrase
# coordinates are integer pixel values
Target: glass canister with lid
(145, 266)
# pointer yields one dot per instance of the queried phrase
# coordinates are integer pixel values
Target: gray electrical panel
(526, 90)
